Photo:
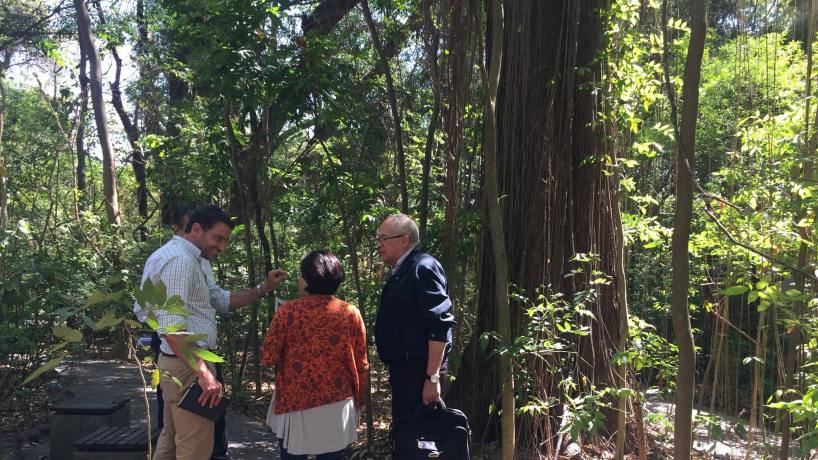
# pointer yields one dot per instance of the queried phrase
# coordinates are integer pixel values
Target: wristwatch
(434, 378)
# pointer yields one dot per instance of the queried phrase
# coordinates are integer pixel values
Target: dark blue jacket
(414, 309)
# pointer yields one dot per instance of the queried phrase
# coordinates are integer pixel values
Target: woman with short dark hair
(318, 345)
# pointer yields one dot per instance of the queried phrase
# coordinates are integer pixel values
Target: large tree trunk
(595, 213)
(558, 199)
(109, 185)
(459, 39)
(680, 283)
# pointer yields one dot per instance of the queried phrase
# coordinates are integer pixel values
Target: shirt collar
(187, 246)
(401, 259)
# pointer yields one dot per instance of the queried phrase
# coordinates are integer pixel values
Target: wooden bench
(75, 418)
(115, 443)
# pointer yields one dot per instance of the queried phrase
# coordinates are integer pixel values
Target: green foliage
(232, 89)
(649, 354)
(802, 404)
(548, 344)
(584, 414)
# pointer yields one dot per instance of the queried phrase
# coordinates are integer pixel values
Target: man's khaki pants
(185, 436)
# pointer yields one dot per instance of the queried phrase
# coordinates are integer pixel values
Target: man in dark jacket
(413, 327)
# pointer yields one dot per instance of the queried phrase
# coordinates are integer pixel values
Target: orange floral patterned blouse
(318, 345)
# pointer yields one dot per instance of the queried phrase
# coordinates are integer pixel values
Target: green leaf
(66, 333)
(175, 301)
(102, 297)
(792, 292)
(141, 297)
(741, 431)
(132, 323)
(207, 355)
(155, 378)
(152, 321)
(484, 342)
(175, 328)
(736, 290)
(150, 293)
(193, 338)
(619, 358)
(107, 320)
(176, 310)
(752, 296)
(625, 393)
(808, 443)
(89, 322)
(44, 368)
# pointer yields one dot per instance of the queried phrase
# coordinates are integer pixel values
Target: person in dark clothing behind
(413, 326)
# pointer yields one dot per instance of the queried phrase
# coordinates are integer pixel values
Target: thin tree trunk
(756, 387)
(244, 199)
(393, 106)
(275, 246)
(149, 103)
(432, 42)
(109, 185)
(4, 216)
(495, 218)
(82, 154)
(265, 245)
(680, 313)
(622, 295)
(132, 133)
(352, 244)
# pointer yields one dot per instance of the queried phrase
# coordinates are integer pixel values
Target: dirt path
(248, 438)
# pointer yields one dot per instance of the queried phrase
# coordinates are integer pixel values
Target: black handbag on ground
(434, 431)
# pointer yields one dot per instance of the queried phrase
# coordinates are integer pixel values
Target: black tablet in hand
(190, 403)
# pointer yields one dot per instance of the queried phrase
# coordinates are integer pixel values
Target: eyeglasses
(383, 238)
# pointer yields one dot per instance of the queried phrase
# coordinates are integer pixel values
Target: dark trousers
(220, 430)
(407, 379)
(337, 455)
(160, 401)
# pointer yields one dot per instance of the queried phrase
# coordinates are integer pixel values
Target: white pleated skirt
(318, 430)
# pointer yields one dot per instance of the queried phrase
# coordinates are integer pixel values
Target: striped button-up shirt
(179, 265)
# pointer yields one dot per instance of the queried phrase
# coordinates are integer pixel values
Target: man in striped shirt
(178, 264)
